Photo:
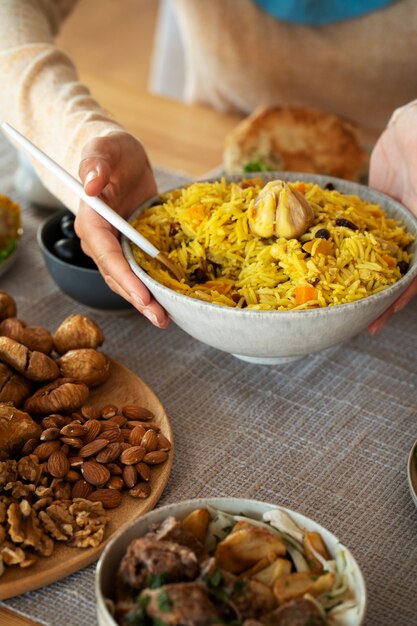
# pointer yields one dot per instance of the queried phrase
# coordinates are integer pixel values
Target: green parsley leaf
(164, 602)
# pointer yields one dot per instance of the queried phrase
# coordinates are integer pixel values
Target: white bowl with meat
(228, 561)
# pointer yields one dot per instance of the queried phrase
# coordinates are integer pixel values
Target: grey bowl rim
(212, 500)
(399, 286)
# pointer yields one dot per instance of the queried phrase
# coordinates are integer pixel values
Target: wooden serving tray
(123, 387)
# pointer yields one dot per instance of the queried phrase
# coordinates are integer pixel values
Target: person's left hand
(393, 170)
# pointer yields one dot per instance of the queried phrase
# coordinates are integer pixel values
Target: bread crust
(297, 139)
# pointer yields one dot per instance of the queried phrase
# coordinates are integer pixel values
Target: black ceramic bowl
(79, 278)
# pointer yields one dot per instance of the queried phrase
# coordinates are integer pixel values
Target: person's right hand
(116, 168)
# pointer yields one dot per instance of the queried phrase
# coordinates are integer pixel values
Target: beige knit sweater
(237, 57)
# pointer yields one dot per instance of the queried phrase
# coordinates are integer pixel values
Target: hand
(116, 168)
(393, 170)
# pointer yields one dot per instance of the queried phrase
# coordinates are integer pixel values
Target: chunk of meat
(300, 612)
(173, 530)
(147, 558)
(183, 604)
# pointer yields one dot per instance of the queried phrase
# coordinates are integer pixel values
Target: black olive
(403, 266)
(67, 227)
(341, 221)
(69, 250)
(322, 233)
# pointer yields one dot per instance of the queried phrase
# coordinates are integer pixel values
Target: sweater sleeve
(41, 94)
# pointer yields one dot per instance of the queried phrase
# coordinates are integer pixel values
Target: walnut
(24, 526)
(85, 364)
(19, 490)
(16, 427)
(45, 546)
(33, 364)
(33, 337)
(90, 520)
(8, 306)
(3, 511)
(30, 469)
(77, 331)
(14, 388)
(8, 471)
(12, 555)
(2, 535)
(57, 521)
(63, 394)
(61, 489)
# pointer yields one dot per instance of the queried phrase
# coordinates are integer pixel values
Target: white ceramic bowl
(116, 548)
(281, 336)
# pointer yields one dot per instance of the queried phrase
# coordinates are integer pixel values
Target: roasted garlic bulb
(280, 211)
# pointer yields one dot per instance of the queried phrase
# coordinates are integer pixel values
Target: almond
(114, 469)
(163, 442)
(72, 476)
(110, 453)
(108, 411)
(49, 434)
(116, 482)
(92, 448)
(136, 434)
(119, 420)
(90, 412)
(93, 429)
(73, 430)
(109, 425)
(44, 450)
(58, 464)
(150, 441)
(29, 446)
(155, 457)
(111, 436)
(140, 490)
(110, 498)
(95, 473)
(132, 455)
(135, 412)
(81, 489)
(125, 432)
(54, 420)
(146, 425)
(75, 461)
(130, 476)
(144, 471)
(74, 442)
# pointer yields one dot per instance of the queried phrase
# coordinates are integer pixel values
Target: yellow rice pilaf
(204, 229)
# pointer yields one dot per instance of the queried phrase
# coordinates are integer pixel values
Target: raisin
(329, 186)
(322, 233)
(341, 221)
(403, 266)
(199, 276)
(173, 229)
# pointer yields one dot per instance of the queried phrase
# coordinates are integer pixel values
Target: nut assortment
(64, 460)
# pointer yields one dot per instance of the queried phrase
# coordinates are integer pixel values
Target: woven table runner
(327, 436)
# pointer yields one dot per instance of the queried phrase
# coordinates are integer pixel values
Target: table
(328, 435)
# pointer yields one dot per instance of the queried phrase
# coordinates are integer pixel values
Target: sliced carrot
(389, 261)
(305, 293)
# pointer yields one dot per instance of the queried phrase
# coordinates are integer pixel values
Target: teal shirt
(320, 12)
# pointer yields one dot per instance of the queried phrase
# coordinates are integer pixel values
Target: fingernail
(151, 316)
(137, 300)
(92, 174)
(399, 305)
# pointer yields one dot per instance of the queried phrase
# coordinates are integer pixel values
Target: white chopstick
(93, 201)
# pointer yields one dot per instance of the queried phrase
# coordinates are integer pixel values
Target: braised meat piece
(184, 604)
(300, 612)
(148, 558)
(173, 530)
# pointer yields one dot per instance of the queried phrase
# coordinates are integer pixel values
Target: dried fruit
(58, 464)
(110, 498)
(95, 473)
(132, 455)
